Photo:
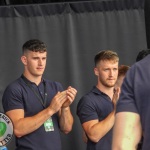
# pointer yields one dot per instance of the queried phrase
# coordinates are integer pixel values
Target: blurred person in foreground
(132, 118)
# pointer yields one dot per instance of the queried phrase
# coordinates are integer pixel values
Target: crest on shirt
(6, 129)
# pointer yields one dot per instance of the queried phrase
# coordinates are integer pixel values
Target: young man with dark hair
(38, 108)
(96, 110)
(142, 54)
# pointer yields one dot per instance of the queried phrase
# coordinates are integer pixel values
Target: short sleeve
(86, 110)
(12, 98)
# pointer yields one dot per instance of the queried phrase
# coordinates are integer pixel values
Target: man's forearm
(27, 125)
(96, 131)
(65, 120)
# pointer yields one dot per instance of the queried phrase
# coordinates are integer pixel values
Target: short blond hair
(106, 55)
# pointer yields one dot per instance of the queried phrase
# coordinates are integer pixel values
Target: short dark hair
(142, 54)
(122, 70)
(34, 45)
(106, 55)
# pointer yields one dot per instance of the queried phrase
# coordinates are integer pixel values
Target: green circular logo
(3, 128)
(6, 129)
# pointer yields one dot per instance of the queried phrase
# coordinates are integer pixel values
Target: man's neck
(35, 79)
(107, 90)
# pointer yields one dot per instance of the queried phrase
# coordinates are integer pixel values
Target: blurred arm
(127, 131)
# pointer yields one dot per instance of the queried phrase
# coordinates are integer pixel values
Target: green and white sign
(6, 129)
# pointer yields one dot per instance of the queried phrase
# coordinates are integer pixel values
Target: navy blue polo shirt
(96, 105)
(18, 95)
(135, 96)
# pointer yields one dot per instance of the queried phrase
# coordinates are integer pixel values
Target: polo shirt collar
(30, 82)
(97, 91)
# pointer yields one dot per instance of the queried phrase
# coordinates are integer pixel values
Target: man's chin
(38, 74)
(110, 85)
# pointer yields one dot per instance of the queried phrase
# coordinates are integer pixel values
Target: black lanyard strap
(40, 98)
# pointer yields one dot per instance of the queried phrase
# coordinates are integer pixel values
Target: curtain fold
(74, 7)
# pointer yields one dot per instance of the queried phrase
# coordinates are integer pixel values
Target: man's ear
(96, 71)
(24, 60)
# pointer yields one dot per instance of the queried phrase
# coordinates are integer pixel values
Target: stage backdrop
(74, 33)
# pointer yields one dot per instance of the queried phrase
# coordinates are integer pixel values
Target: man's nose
(111, 72)
(40, 62)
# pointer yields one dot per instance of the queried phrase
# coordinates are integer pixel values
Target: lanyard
(40, 98)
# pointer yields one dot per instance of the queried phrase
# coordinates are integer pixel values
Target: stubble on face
(107, 83)
(108, 72)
